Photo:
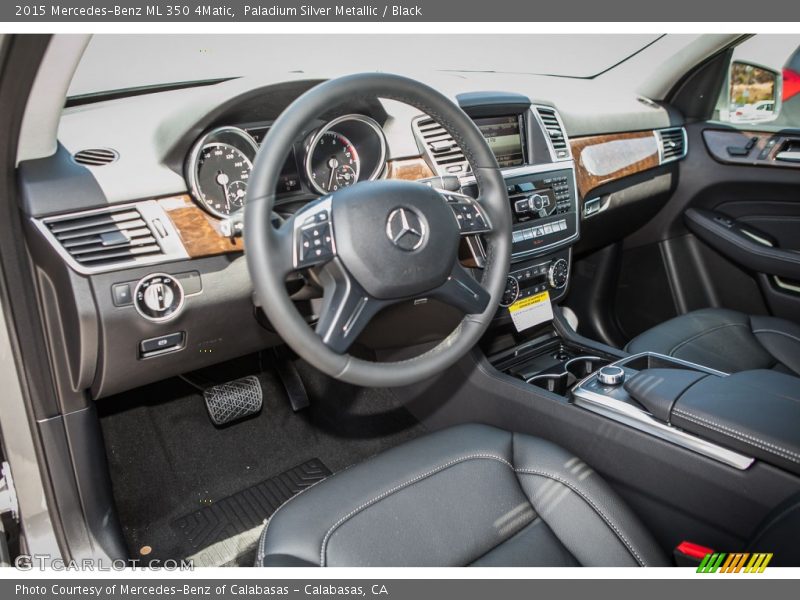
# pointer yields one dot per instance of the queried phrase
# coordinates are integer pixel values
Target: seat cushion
(469, 495)
(725, 340)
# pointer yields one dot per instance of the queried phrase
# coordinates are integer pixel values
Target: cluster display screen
(505, 138)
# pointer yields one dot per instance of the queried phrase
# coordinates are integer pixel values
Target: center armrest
(757, 412)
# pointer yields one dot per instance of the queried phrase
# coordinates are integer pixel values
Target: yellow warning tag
(531, 311)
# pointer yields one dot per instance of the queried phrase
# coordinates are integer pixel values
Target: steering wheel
(377, 243)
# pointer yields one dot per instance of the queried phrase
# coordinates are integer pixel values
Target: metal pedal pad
(234, 400)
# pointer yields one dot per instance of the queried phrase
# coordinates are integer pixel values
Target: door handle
(788, 156)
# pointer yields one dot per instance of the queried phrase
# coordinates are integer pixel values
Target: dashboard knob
(611, 375)
(511, 293)
(537, 202)
(558, 274)
(158, 297)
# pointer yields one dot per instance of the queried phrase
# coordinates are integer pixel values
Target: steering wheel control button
(468, 215)
(313, 236)
(611, 375)
(406, 229)
(161, 345)
(158, 297)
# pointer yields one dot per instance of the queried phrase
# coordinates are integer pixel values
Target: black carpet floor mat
(167, 459)
(247, 509)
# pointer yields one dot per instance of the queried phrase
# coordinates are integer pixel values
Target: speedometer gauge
(332, 162)
(219, 168)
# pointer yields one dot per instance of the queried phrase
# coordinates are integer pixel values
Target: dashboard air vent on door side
(107, 239)
(671, 144)
(95, 157)
(555, 131)
(440, 147)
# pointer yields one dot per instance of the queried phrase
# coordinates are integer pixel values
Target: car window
(763, 83)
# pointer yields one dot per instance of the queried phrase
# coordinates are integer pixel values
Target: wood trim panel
(600, 159)
(409, 169)
(200, 232)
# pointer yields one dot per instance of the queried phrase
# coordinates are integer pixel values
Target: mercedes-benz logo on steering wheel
(405, 229)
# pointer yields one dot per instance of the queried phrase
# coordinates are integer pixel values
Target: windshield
(118, 62)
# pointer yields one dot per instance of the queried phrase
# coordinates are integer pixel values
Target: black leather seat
(469, 495)
(726, 340)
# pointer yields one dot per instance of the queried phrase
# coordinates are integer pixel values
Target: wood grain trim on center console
(200, 233)
(601, 159)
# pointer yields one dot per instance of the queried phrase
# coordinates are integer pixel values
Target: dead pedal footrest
(234, 400)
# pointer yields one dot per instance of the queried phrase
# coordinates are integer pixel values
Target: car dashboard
(137, 258)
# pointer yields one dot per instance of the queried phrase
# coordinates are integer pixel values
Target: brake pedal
(234, 400)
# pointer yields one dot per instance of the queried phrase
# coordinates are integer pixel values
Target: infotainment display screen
(505, 139)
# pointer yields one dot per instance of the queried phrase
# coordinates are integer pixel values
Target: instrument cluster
(343, 151)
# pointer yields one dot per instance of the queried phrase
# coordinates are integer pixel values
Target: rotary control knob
(158, 297)
(611, 375)
(558, 274)
(537, 202)
(511, 293)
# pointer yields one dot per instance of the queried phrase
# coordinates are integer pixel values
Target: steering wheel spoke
(468, 212)
(346, 307)
(463, 292)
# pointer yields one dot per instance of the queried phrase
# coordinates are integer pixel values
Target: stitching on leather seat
(702, 333)
(399, 487)
(740, 435)
(382, 496)
(589, 501)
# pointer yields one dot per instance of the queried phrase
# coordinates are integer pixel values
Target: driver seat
(469, 495)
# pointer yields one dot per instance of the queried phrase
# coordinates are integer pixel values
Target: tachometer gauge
(332, 162)
(219, 168)
(346, 150)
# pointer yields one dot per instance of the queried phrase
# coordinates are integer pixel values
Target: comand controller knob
(611, 375)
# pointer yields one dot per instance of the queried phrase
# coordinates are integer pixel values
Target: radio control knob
(558, 274)
(537, 202)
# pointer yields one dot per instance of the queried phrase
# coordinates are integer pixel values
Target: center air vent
(96, 157)
(554, 131)
(105, 238)
(440, 147)
(671, 143)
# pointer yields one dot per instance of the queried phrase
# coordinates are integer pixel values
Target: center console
(531, 147)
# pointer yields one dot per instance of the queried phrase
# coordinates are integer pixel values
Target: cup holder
(567, 374)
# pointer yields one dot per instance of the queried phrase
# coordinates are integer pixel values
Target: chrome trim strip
(171, 245)
(641, 420)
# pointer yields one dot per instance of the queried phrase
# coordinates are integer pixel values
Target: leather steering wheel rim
(267, 249)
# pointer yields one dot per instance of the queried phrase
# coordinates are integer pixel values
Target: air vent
(108, 237)
(96, 157)
(671, 143)
(441, 147)
(555, 131)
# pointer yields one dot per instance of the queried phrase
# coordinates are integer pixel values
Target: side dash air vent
(95, 157)
(555, 131)
(440, 147)
(671, 144)
(105, 238)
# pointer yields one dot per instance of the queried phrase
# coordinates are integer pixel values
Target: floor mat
(168, 460)
(216, 529)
